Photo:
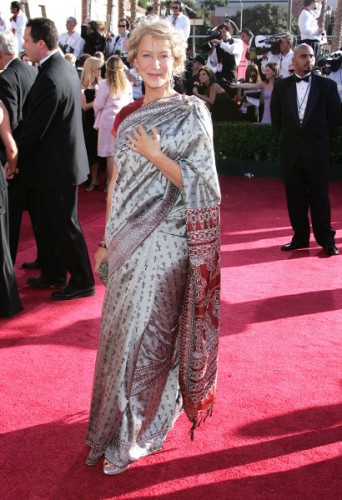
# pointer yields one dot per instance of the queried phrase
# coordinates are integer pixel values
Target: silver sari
(137, 392)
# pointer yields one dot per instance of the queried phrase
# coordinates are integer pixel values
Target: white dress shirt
(284, 62)
(303, 91)
(73, 40)
(336, 76)
(18, 28)
(180, 22)
(308, 25)
(235, 48)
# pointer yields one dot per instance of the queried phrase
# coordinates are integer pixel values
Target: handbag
(102, 272)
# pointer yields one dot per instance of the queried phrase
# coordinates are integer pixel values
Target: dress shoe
(30, 265)
(289, 247)
(43, 282)
(331, 250)
(69, 293)
(111, 469)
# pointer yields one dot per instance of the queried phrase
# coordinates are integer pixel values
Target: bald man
(305, 112)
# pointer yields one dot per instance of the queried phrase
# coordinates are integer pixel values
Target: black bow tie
(304, 79)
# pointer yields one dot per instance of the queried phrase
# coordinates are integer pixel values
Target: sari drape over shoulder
(159, 326)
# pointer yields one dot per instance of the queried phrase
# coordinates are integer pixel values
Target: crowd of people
(59, 114)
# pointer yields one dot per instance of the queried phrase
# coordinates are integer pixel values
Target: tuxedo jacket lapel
(291, 94)
(312, 99)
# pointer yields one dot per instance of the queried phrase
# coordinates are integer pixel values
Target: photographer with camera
(192, 75)
(94, 41)
(229, 52)
(284, 57)
(331, 67)
(71, 42)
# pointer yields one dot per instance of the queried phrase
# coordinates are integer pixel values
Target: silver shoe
(112, 469)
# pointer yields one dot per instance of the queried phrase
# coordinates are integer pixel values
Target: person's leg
(66, 236)
(17, 195)
(94, 177)
(320, 209)
(298, 204)
(110, 167)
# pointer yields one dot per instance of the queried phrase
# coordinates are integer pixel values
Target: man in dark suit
(53, 162)
(16, 81)
(305, 111)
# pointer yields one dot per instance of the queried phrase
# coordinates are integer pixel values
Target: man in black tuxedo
(305, 111)
(53, 162)
(16, 81)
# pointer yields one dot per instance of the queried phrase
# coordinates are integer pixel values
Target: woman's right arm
(85, 105)
(8, 141)
(101, 97)
(101, 254)
(208, 99)
(247, 86)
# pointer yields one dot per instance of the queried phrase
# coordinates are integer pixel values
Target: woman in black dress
(90, 80)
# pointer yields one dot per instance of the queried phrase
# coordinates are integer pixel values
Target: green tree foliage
(212, 4)
(265, 19)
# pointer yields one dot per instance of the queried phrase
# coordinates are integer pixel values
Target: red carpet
(276, 430)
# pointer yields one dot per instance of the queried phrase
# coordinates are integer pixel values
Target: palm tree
(337, 33)
(156, 7)
(85, 9)
(121, 9)
(133, 10)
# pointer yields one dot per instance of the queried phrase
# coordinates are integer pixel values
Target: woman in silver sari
(158, 344)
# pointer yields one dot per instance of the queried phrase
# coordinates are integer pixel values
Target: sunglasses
(291, 70)
(252, 76)
(122, 26)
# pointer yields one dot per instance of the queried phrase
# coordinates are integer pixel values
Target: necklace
(301, 104)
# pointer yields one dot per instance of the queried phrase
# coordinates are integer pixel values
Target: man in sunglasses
(178, 19)
(120, 42)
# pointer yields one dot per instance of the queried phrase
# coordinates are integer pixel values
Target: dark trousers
(10, 302)
(315, 44)
(20, 198)
(60, 237)
(307, 189)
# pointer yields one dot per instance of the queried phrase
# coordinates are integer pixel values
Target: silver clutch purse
(103, 272)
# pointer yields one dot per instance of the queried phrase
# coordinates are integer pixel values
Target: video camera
(213, 34)
(330, 64)
(64, 48)
(269, 43)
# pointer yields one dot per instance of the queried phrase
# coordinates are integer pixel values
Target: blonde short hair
(87, 78)
(161, 30)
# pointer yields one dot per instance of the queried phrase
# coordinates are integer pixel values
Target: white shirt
(336, 76)
(3, 26)
(72, 40)
(308, 25)
(18, 28)
(180, 22)
(284, 62)
(303, 91)
(235, 48)
(118, 42)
